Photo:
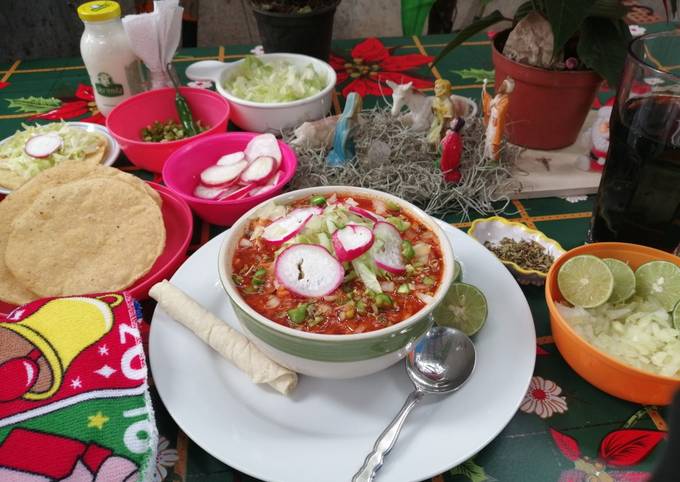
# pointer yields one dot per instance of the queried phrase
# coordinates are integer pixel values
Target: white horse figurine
(419, 105)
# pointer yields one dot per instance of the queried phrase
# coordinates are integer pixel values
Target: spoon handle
(386, 441)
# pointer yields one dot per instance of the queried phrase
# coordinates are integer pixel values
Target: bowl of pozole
(335, 282)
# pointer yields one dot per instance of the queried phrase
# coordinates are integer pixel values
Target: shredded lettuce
(77, 144)
(274, 82)
(638, 331)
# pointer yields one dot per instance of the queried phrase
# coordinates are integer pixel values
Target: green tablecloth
(559, 403)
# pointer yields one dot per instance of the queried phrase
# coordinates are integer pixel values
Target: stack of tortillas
(78, 228)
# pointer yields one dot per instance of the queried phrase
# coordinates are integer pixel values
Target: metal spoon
(440, 363)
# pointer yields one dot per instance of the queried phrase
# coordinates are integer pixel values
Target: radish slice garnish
(233, 158)
(270, 186)
(365, 214)
(263, 145)
(236, 192)
(289, 225)
(259, 170)
(222, 175)
(308, 270)
(43, 145)
(206, 192)
(351, 242)
(387, 252)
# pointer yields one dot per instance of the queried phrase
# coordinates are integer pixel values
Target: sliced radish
(365, 214)
(289, 225)
(270, 186)
(236, 192)
(233, 158)
(387, 253)
(308, 270)
(259, 170)
(43, 145)
(206, 192)
(222, 175)
(263, 145)
(352, 241)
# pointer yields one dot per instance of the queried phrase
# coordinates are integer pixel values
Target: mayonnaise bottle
(113, 68)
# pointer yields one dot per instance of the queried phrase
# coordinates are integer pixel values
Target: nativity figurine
(442, 109)
(343, 140)
(452, 150)
(495, 112)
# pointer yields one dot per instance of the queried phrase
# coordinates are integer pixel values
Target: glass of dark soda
(638, 200)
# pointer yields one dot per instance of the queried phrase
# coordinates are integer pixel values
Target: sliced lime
(457, 272)
(624, 280)
(676, 316)
(463, 307)
(585, 281)
(660, 280)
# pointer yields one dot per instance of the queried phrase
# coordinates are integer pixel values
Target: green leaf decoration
(608, 9)
(602, 47)
(565, 17)
(473, 472)
(469, 31)
(477, 75)
(413, 16)
(33, 105)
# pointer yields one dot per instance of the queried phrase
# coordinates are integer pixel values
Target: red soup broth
(351, 308)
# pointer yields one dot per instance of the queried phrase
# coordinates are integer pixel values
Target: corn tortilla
(11, 290)
(109, 235)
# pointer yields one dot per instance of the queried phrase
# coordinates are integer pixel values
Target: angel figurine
(495, 116)
(443, 110)
(452, 150)
(343, 140)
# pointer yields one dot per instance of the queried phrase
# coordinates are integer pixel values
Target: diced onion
(273, 302)
(425, 298)
(387, 285)
(245, 243)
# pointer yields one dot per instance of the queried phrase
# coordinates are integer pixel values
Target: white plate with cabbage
(271, 92)
(35, 148)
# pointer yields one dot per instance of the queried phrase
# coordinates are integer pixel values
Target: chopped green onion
(398, 223)
(403, 289)
(298, 315)
(383, 301)
(410, 269)
(318, 200)
(260, 273)
(238, 280)
(257, 281)
(392, 206)
(407, 249)
(361, 306)
(428, 281)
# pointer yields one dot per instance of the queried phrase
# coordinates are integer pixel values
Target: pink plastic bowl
(182, 170)
(129, 117)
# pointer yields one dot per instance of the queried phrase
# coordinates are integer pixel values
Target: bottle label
(106, 86)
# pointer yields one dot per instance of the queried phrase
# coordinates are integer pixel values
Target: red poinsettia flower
(372, 64)
(3, 85)
(81, 104)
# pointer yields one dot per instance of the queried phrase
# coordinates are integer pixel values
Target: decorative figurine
(452, 150)
(419, 116)
(343, 143)
(495, 115)
(599, 140)
(315, 134)
(443, 110)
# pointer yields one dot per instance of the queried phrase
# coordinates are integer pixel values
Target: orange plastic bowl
(602, 370)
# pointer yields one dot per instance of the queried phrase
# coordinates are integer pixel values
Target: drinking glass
(638, 200)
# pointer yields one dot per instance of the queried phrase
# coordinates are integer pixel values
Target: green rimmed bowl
(332, 356)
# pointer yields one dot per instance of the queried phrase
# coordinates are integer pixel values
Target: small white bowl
(495, 228)
(269, 117)
(112, 147)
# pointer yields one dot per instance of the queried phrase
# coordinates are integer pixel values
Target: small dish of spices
(526, 252)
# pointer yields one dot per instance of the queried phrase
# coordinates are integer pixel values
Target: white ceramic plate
(325, 429)
(112, 148)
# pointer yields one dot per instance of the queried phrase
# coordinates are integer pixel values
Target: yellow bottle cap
(99, 11)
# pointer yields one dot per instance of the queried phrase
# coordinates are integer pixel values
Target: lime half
(676, 316)
(624, 280)
(457, 272)
(463, 307)
(585, 281)
(660, 280)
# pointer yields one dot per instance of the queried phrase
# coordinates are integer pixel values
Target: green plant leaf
(477, 75)
(523, 10)
(471, 471)
(608, 9)
(413, 15)
(469, 31)
(602, 47)
(33, 104)
(565, 17)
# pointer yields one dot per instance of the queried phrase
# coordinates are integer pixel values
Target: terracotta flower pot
(547, 107)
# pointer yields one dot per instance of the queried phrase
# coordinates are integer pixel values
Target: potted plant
(558, 52)
(296, 26)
